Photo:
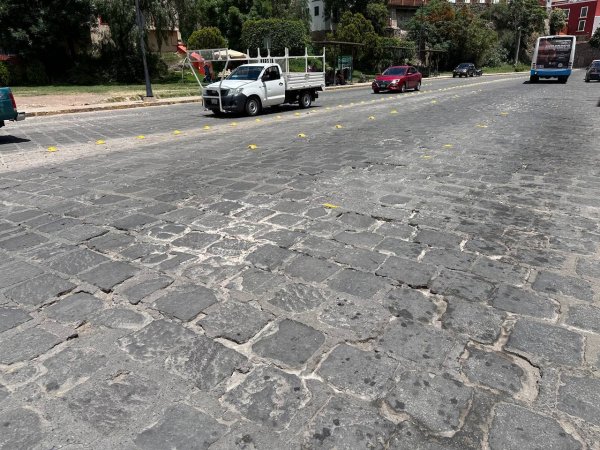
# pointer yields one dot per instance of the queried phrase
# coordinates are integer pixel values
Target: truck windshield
(249, 73)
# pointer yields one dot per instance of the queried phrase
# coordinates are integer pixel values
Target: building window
(583, 12)
(567, 11)
(316, 11)
(581, 25)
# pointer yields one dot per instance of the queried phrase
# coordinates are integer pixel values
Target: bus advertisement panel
(553, 58)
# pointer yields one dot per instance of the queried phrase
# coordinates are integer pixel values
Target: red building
(583, 17)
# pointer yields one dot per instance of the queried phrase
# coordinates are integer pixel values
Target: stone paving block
(77, 262)
(393, 199)
(480, 322)
(111, 405)
(286, 220)
(488, 247)
(71, 367)
(268, 396)
(74, 308)
(181, 426)
(360, 259)
(396, 230)
(118, 318)
(235, 321)
(233, 248)
(434, 238)
(12, 317)
(319, 247)
(359, 284)
(436, 401)
(175, 261)
(310, 269)
(212, 271)
(107, 199)
(494, 370)
(410, 305)
(363, 373)
(107, 275)
(39, 289)
(22, 241)
(451, 259)
(256, 282)
(517, 428)
(3, 393)
(137, 292)
(26, 345)
(363, 239)
(520, 301)
(156, 340)
(419, 343)
(554, 283)
(400, 248)
(545, 343)
(269, 257)
(355, 221)
(283, 238)
(81, 233)
(588, 267)
(299, 298)
(494, 271)
(146, 251)
(538, 257)
(463, 285)
(203, 362)
(61, 224)
(133, 222)
(21, 216)
(348, 423)
(580, 397)
(585, 317)
(196, 240)
(21, 429)
(362, 317)
(186, 302)
(166, 231)
(407, 271)
(111, 241)
(292, 344)
(14, 272)
(47, 251)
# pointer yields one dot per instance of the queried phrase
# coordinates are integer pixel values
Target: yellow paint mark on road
(253, 146)
(297, 114)
(338, 126)
(371, 117)
(279, 117)
(426, 156)
(448, 145)
(503, 113)
(52, 149)
(258, 120)
(330, 206)
(206, 127)
(480, 125)
(434, 101)
(141, 136)
(393, 111)
(301, 135)
(233, 124)
(100, 142)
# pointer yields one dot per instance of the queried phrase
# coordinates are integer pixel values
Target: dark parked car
(466, 70)
(593, 71)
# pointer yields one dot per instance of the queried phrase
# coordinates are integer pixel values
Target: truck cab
(8, 107)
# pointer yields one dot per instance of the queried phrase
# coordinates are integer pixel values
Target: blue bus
(553, 58)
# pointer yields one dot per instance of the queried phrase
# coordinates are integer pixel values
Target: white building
(319, 25)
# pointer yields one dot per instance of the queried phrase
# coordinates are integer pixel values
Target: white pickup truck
(254, 86)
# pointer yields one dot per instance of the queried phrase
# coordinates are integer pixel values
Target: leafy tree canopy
(207, 37)
(595, 40)
(281, 33)
(558, 20)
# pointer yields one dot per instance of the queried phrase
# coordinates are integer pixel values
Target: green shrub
(35, 72)
(520, 67)
(281, 34)
(4, 74)
(207, 37)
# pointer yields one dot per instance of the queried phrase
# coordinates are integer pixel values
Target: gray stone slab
(547, 344)
(520, 301)
(364, 373)
(434, 238)
(554, 283)
(355, 221)
(256, 282)
(298, 298)
(196, 240)
(111, 405)
(480, 322)
(422, 344)
(118, 318)
(580, 397)
(348, 423)
(360, 259)
(155, 341)
(3, 393)
(283, 238)
(407, 271)
(310, 269)
(495, 271)
(463, 285)
(133, 222)
(235, 321)
(82, 233)
(494, 370)
(203, 362)
(396, 230)
(400, 248)
(268, 396)
(111, 241)
(186, 302)
(233, 248)
(77, 262)
(109, 274)
(22, 242)
(16, 271)
(293, 343)
(319, 247)
(437, 402)
(12, 317)
(589, 268)
(71, 367)
(364, 318)
(165, 231)
(451, 259)
(269, 257)
(137, 292)
(21, 429)
(359, 284)
(181, 426)
(585, 317)
(39, 289)
(516, 428)
(359, 239)
(26, 345)
(410, 305)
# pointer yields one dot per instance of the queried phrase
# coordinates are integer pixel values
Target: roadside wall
(585, 54)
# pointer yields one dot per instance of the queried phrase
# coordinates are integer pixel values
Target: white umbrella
(233, 54)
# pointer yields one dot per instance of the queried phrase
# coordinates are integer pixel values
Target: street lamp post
(140, 24)
(518, 46)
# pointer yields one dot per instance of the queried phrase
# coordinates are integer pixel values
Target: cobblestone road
(414, 271)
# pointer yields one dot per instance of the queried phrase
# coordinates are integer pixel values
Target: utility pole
(518, 46)
(140, 24)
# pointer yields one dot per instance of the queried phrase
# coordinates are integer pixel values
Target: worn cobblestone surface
(419, 280)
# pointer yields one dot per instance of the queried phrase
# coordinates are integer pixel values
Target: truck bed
(304, 80)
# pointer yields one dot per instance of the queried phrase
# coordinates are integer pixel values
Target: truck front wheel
(305, 100)
(253, 106)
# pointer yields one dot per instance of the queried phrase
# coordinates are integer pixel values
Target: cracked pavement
(414, 271)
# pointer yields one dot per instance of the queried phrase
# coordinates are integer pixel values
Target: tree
(206, 37)
(595, 40)
(378, 14)
(558, 20)
(280, 33)
(357, 29)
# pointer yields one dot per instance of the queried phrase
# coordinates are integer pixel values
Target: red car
(397, 78)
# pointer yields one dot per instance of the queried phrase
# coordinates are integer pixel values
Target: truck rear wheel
(305, 100)
(253, 106)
